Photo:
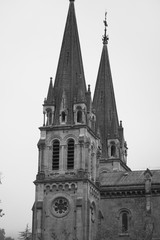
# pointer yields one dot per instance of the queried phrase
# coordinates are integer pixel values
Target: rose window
(60, 207)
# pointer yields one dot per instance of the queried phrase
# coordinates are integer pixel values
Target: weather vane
(105, 37)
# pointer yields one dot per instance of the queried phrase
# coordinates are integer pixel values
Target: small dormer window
(79, 116)
(63, 117)
(80, 113)
(48, 112)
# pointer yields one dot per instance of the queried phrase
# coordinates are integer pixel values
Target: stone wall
(141, 224)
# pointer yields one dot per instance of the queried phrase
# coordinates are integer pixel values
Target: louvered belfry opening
(70, 154)
(55, 156)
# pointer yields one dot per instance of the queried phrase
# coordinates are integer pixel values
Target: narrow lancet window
(55, 156)
(50, 118)
(113, 150)
(63, 115)
(79, 116)
(124, 222)
(70, 154)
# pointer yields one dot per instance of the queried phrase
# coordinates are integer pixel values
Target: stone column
(79, 219)
(87, 155)
(81, 144)
(41, 147)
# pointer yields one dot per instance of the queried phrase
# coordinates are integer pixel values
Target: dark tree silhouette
(2, 234)
(26, 234)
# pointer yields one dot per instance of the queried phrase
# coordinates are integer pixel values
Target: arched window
(63, 115)
(124, 216)
(124, 222)
(70, 154)
(113, 150)
(55, 156)
(79, 116)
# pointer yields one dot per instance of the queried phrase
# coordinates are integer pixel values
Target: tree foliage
(26, 234)
(2, 234)
(3, 237)
(1, 213)
(9, 238)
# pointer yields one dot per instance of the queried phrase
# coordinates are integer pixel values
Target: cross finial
(105, 37)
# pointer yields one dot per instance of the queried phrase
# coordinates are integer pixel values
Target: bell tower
(66, 192)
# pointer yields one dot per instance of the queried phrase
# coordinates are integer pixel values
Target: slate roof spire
(107, 123)
(70, 79)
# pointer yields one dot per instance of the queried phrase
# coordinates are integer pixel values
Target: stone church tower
(84, 188)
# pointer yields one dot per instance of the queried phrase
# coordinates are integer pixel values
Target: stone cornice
(110, 160)
(41, 179)
(127, 191)
(68, 127)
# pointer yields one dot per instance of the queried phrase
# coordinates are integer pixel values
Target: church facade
(84, 188)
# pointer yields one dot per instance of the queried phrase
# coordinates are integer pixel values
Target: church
(84, 189)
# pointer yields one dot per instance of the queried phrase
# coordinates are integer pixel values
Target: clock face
(60, 207)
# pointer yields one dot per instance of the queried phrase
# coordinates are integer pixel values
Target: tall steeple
(68, 147)
(69, 86)
(107, 123)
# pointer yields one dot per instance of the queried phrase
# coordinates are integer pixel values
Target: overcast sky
(30, 39)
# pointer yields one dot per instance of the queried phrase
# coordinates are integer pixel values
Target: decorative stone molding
(68, 136)
(60, 187)
(55, 137)
(94, 192)
(121, 193)
(41, 144)
(114, 193)
(40, 176)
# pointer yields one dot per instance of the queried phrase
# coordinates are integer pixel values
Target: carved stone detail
(60, 187)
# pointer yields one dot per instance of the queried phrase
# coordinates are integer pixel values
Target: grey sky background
(31, 34)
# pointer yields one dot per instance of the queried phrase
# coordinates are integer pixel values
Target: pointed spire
(49, 99)
(69, 78)
(104, 101)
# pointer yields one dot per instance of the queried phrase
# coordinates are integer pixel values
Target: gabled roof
(128, 178)
(104, 102)
(69, 80)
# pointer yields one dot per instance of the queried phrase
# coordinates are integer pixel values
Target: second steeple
(114, 148)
